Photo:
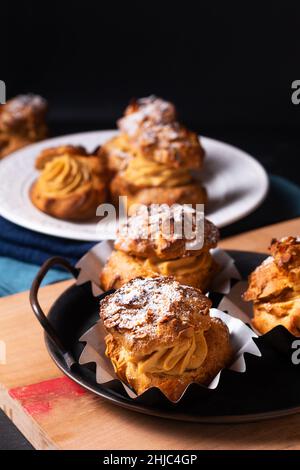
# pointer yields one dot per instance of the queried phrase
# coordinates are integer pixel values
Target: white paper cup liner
(241, 339)
(92, 263)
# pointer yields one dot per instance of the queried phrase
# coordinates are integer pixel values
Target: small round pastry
(69, 186)
(146, 112)
(274, 288)
(191, 193)
(151, 160)
(22, 121)
(160, 334)
(147, 181)
(145, 246)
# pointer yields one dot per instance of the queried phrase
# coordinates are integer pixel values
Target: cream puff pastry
(22, 122)
(71, 184)
(152, 159)
(143, 248)
(160, 334)
(274, 288)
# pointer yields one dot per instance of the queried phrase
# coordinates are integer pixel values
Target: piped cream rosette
(143, 173)
(70, 187)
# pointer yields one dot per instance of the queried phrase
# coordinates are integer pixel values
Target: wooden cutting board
(54, 413)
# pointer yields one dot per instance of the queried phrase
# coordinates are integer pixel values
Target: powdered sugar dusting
(160, 226)
(149, 110)
(268, 260)
(20, 102)
(144, 306)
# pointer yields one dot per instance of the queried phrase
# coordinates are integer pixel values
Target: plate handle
(38, 311)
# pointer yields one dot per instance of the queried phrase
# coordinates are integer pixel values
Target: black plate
(270, 387)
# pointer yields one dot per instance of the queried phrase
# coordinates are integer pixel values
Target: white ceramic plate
(236, 185)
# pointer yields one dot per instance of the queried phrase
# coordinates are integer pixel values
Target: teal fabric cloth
(282, 203)
(17, 276)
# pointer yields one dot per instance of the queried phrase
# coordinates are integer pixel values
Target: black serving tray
(269, 388)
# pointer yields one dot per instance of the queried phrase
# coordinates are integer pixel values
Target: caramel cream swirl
(63, 175)
(143, 172)
(187, 353)
(180, 266)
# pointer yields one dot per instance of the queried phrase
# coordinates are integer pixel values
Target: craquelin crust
(22, 122)
(170, 144)
(274, 288)
(146, 112)
(165, 246)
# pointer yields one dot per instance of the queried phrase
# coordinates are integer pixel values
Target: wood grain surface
(54, 413)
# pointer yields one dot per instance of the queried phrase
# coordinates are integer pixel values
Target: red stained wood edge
(38, 398)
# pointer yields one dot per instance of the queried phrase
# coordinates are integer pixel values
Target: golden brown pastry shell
(268, 315)
(274, 288)
(83, 202)
(116, 152)
(147, 313)
(189, 194)
(81, 205)
(171, 144)
(22, 122)
(121, 268)
(161, 246)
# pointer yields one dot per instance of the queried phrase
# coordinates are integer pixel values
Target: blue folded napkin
(17, 276)
(33, 247)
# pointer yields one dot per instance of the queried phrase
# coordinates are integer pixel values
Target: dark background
(228, 66)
